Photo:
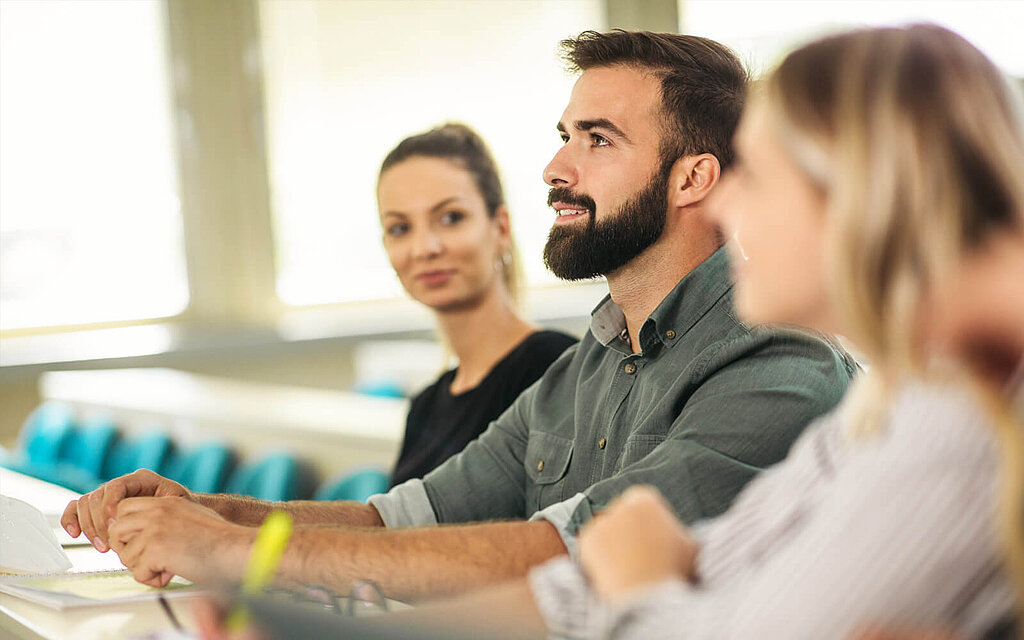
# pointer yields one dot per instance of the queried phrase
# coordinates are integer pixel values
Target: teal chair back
(354, 485)
(205, 468)
(88, 446)
(45, 433)
(278, 476)
(48, 435)
(151, 450)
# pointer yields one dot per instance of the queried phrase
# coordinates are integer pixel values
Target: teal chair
(151, 450)
(278, 476)
(42, 437)
(205, 468)
(50, 444)
(84, 453)
(354, 485)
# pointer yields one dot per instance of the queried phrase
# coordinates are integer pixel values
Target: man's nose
(561, 171)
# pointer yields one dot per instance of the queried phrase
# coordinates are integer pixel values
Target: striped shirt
(897, 529)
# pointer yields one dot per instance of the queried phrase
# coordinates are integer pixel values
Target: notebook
(75, 590)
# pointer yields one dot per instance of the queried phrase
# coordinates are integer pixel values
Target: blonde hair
(917, 140)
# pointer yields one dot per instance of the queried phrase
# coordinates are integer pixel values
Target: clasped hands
(159, 530)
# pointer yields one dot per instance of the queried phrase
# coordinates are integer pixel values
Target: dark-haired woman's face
(440, 240)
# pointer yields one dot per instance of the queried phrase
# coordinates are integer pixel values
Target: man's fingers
(143, 568)
(126, 527)
(88, 527)
(134, 505)
(115, 491)
(148, 576)
(69, 520)
(99, 521)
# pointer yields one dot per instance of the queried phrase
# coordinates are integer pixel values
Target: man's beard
(600, 248)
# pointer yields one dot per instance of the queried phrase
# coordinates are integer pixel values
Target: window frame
(224, 184)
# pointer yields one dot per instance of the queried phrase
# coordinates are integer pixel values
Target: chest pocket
(547, 460)
(637, 448)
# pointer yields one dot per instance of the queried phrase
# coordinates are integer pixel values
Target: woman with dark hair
(447, 235)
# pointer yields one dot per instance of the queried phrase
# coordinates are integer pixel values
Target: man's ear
(692, 179)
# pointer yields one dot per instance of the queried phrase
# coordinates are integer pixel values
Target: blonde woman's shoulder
(939, 418)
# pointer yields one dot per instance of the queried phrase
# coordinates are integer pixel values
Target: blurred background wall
(190, 184)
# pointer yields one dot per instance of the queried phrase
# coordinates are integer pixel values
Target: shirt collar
(675, 315)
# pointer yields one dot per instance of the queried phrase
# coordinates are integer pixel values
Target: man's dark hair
(460, 144)
(703, 84)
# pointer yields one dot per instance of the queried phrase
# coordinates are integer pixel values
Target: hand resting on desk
(159, 538)
(92, 513)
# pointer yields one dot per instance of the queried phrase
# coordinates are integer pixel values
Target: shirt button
(670, 334)
(540, 466)
(602, 443)
(630, 368)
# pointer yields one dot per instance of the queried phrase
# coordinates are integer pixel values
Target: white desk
(22, 620)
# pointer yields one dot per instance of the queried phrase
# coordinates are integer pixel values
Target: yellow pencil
(266, 555)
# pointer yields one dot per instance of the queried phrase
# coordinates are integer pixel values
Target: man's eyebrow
(601, 123)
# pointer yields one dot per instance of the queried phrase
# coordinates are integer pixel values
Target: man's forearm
(250, 511)
(413, 564)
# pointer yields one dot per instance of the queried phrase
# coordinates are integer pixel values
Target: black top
(440, 424)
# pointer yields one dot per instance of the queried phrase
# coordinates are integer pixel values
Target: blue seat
(151, 450)
(277, 476)
(205, 468)
(84, 453)
(50, 444)
(354, 485)
(43, 436)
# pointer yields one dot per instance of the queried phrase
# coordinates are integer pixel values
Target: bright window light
(345, 81)
(90, 226)
(763, 32)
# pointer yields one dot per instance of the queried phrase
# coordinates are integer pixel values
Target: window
(90, 226)
(346, 81)
(767, 30)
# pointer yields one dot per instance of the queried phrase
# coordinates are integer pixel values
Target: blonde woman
(871, 166)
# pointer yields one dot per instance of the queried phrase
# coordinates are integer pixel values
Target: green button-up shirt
(704, 406)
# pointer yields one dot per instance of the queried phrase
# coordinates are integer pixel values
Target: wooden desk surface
(23, 620)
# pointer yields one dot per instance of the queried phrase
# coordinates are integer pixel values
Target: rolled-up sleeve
(406, 505)
(560, 515)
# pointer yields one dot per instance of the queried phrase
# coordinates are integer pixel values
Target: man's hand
(637, 540)
(92, 513)
(159, 538)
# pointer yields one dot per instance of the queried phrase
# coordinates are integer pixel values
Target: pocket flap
(547, 457)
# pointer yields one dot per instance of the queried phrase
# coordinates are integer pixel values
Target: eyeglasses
(364, 598)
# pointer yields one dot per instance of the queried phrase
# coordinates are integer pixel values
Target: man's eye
(396, 230)
(599, 140)
(452, 217)
(564, 137)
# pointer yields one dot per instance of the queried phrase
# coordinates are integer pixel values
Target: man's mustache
(567, 196)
